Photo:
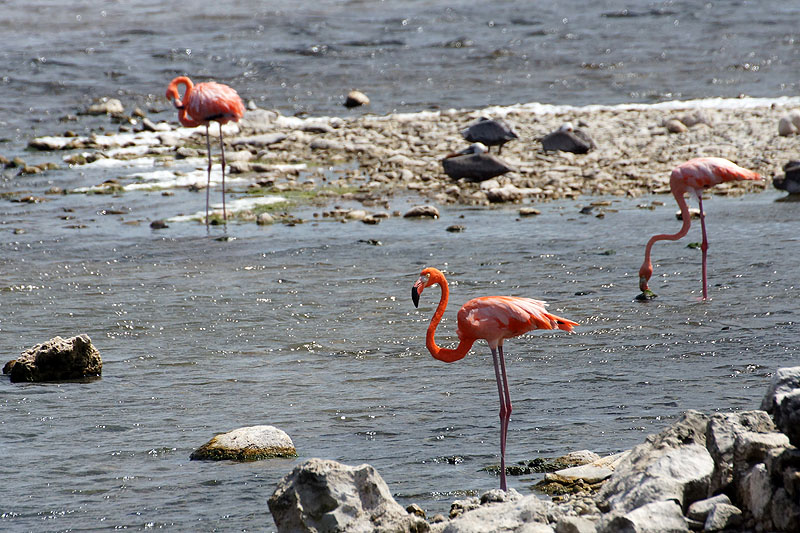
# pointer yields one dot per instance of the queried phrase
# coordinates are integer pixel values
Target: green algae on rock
(251, 443)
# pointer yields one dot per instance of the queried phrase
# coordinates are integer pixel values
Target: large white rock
(526, 514)
(247, 444)
(323, 495)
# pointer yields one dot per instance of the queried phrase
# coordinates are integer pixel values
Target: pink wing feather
(503, 317)
(214, 101)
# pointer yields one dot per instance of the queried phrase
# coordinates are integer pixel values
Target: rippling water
(310, 328)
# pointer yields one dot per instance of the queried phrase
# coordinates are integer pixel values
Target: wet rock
(51, 143)
(247, 444)
(528, 211)
(455, 228)
(264, 219)
(415, 510)
(106, 106)
(422, 211)
(323, 495)
(56, 359)
(371, 220)
(158, 224)
(507, 193)
(790, 180)
(149, 125)
(355, 99)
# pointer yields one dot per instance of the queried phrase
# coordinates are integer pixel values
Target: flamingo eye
(425, 278)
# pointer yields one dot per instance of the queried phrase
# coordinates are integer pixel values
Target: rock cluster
(367, 158)
(55, 360)
(732, 472)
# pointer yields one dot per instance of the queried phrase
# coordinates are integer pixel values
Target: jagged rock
(723, 516)
(57, 359)
(671, 465)
(699, 510)
(321, 495)
(785, 511)
(514, 513)
(421, 211)
(655, 517)
(247, 444)
(575, 524)
(783, 402)
(755, 494)
(721, 434)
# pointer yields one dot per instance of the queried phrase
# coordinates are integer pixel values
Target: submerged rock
(422, 211)
(355, 99)
(322, 495)
(57, 359)
(247, 444)
(106, 106)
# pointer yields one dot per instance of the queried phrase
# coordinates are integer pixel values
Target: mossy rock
(251, 443)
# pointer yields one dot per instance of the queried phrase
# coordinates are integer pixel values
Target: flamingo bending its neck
(495, 319)
(201, 104)
(693, 177)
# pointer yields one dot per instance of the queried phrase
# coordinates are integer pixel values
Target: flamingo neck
(173, 93)
(646, 269)
(445, 354)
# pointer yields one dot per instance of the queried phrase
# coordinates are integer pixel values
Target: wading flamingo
(494, 318)
(692, 177)
(201, 104)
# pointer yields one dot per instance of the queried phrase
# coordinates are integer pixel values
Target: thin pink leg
(505, 409)
(208, 184)
(222, 147)
(703, 245)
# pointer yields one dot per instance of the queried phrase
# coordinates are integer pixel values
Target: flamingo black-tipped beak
(415, 296)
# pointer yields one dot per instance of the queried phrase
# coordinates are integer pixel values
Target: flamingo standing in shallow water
(693, 177)
(494, 318)
(201, 104)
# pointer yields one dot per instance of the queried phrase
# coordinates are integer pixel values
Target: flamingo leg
(222, 148)
(208, 184)
(703, 245)
(505, 408)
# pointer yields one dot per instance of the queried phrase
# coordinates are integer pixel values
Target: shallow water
(310, 329)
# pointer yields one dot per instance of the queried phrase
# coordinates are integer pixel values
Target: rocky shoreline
(275, 161)
(734, 472)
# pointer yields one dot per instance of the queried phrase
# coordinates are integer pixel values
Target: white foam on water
(233, 206)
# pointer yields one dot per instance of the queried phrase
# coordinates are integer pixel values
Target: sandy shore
(368, 158)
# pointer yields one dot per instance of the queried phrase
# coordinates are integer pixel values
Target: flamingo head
(173, 92)
(644, 276)
(426, 278)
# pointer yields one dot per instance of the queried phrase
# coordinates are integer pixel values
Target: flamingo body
(199, 106)
(495, 319)
(693, 177)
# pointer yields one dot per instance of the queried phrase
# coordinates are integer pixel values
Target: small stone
(422, 211)
(371, 219)
(356, 214)
(355, 99)
(455, 228)
(106, 106)
(528, 212)
(158, 224)
(264, 219)
(699, 510)
(723, 516)
(786, 127)
(415, 510)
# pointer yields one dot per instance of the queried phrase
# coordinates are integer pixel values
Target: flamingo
(201, 104)
(495, 319)
(693, 177)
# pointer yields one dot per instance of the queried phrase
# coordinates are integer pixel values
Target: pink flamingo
(201, 104)
(693, 177)
(494, 318)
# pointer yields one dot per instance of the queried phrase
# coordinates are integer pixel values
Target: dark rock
(356, 99)
(422, 211)
(55, 360)
(790, 181)
(158, 224)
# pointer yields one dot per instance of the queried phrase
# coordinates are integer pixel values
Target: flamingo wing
(214, 101)
(704, 172)
(495, 318)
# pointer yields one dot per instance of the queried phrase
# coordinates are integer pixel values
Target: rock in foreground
(322, 495)
(55, 360)
(247, 444)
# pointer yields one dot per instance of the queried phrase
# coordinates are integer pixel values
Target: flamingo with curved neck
(495, 319)
(199, 106)
(693, 177)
